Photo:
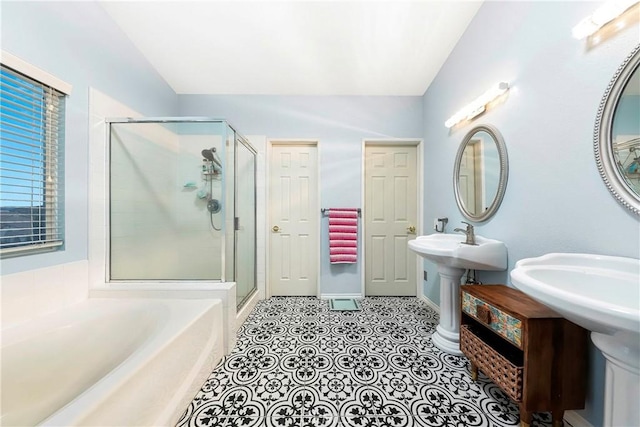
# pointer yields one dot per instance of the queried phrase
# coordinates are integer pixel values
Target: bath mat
(343, 304)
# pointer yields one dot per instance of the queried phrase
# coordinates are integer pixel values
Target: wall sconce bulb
(600, 17)
(479, 105)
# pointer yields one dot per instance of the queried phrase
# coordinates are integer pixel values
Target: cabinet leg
(474, 372)
(525, 417)
(557, 418)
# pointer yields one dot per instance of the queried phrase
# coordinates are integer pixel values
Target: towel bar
(325, 211)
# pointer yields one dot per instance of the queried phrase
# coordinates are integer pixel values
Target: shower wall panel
(194, 224)
(143, 169)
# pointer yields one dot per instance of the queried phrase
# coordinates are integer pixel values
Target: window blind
(31, 165)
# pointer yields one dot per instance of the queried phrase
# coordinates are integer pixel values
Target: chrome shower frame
(238, 139)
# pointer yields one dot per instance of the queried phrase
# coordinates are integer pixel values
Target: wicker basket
(504, 373)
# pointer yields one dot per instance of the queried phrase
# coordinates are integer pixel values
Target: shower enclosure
(181, 202)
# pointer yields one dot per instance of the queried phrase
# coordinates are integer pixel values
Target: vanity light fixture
(478, 105)
(603, 15)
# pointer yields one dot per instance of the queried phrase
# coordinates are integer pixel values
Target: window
(31, 164)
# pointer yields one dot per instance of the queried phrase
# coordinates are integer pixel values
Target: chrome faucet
(469, 232)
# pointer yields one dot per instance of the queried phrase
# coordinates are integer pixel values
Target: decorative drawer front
(507, 326)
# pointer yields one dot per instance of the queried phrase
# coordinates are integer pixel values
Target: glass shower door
(245, 220)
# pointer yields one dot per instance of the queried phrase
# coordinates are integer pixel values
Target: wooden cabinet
(538, 358)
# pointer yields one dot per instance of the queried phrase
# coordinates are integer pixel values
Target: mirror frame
(602, 141)
(504, 173)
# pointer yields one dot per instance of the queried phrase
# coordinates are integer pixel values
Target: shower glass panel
(167, 194)
(182, 202)
(245, 238)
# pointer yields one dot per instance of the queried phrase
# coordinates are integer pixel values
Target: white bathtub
(224, 291)
(114, 362)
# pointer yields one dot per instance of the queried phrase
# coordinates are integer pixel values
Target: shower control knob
(275, 228)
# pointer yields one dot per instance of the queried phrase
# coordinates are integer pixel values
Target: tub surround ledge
(224, 291)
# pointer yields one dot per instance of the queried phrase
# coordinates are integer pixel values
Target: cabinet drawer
(506, 374)
(505, 325)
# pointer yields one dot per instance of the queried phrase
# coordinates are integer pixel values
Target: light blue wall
(555, 199)
(340, 123)
(79, 43)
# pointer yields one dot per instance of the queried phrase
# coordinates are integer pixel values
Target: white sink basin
(449, 250)
(599, 293)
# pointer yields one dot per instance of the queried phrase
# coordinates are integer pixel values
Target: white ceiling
(295, 47)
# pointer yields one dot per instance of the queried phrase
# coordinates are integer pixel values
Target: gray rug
(344, 304)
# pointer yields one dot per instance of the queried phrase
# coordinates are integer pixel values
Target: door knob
(411, 230)
(275, 228)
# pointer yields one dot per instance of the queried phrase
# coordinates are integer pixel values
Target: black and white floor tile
(296, 363)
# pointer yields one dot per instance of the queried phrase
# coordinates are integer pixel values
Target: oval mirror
(480, 173)
(617, 134)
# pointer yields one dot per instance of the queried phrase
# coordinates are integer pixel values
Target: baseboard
(343, 296)
(574, 419)
(430, 303)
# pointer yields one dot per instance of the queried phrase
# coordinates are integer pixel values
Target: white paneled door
(391, 201)
(471, 177)
(294, 216)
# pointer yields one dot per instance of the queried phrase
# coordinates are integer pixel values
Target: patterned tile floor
(298, 364)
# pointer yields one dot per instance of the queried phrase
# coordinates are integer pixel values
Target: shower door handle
(275, 229)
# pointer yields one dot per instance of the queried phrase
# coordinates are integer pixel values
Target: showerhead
(207, 153)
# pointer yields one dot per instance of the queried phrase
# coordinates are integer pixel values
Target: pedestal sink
(601, 294)
(453, 257)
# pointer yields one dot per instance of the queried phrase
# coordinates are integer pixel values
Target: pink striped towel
(343, 236)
